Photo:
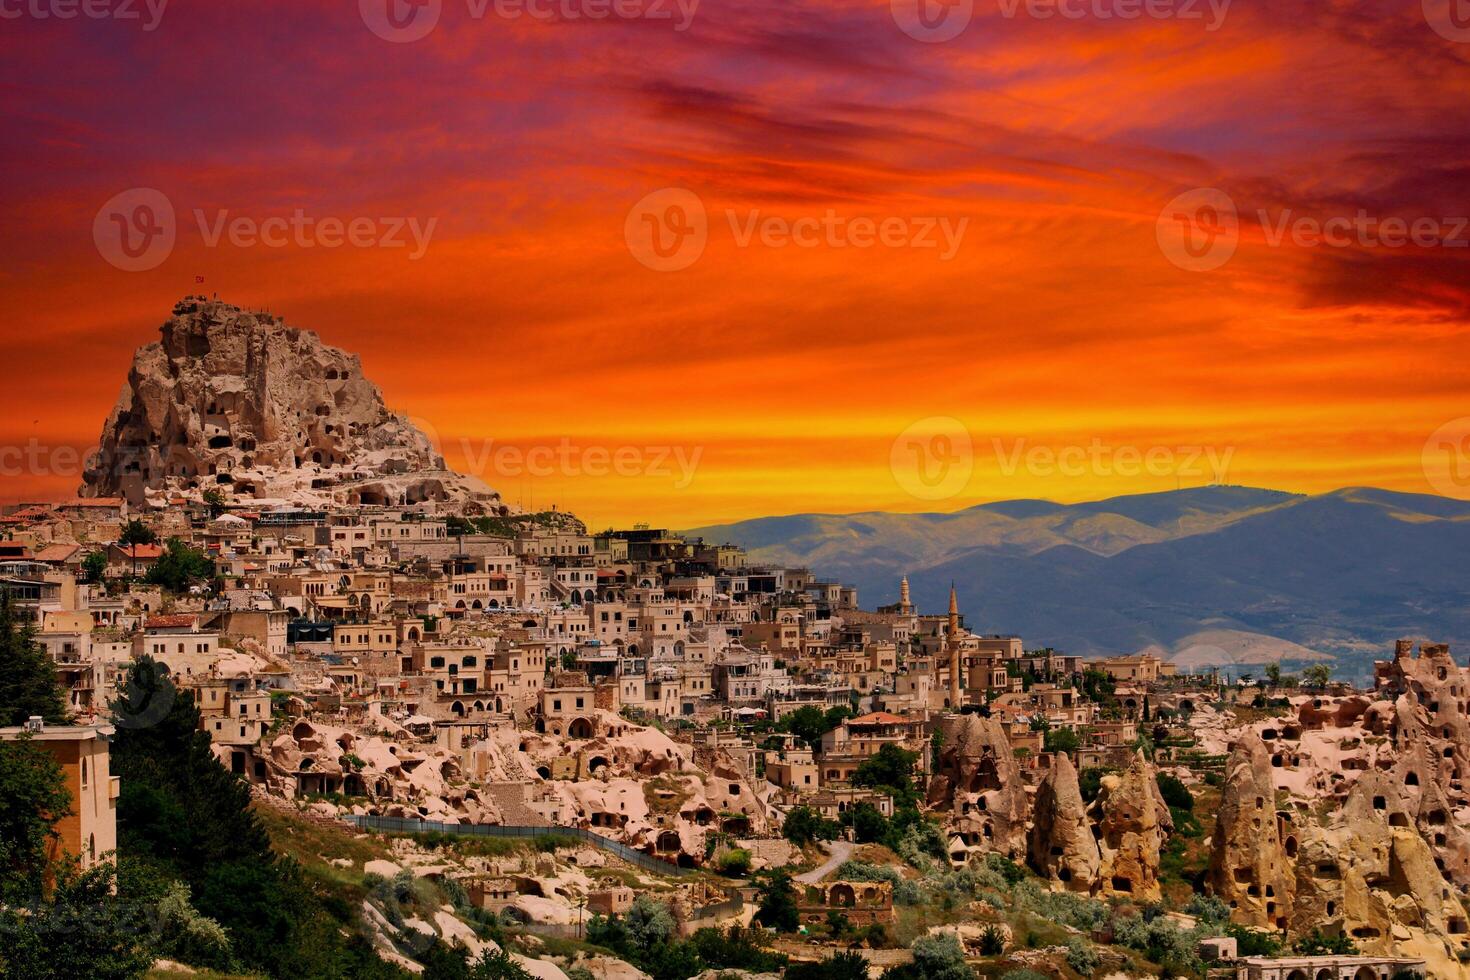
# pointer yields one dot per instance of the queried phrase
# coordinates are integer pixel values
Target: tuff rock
(240, 403)
(1060, 846)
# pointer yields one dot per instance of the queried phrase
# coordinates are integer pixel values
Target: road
(839, 851)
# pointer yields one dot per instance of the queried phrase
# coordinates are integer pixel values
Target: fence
(400, 825)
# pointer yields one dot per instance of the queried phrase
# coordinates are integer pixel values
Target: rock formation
(1061, 846)
(1133, 822)
(978, 783)
(1370, 874)
(1248, 862)
(240, 403)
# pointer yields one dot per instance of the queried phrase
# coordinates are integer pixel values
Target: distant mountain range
(1224, 575)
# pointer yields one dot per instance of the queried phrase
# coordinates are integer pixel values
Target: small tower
(905, 605)
(952, 641)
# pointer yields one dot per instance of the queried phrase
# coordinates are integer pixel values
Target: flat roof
(58, 733)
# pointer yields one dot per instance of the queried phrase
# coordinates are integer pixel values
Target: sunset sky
(783, 374)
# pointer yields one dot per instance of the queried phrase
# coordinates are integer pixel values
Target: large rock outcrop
(1370, 874)
(1248, 862)
(978, 783)
(240, 403)
(1133, 823)
(1060, 846)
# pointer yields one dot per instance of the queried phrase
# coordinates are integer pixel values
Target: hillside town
(375, 645)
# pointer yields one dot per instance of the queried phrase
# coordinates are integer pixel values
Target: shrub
(1004, 866)
(862, 871)
(940, 957)
(189, 937)
(992, 941)
(735, 862)
(1081, 956)
(1208, 909)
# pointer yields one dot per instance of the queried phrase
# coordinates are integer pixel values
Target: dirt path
(838, 851)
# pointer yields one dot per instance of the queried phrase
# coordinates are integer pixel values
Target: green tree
(804, 825)
(778, 903)
(869, 826)
(1081, 956)
(28, 684)
(1316, 676)
(214, 499)
(809, 723)
(1061, 740)
(1273, 673)
(179, 567)
(649, 922)
(1174, 792)
(181, 815)
(136, 532)
(94, 566)
(79, 930)
(33, 797)
(1089, 782)
(890, 768)
(1098, 685)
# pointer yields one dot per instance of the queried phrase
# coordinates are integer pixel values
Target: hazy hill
(1208, 574)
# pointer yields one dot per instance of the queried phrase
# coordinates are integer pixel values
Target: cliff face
(238, 402)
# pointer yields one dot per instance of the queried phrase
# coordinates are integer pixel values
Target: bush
(649, 922)
(1318, 943)
(1208, 909)
(736, 948)
(1253, 942)
(992, 941)
(1081, 956)
(862, 871)
(1023, 975)
(735, 863)
(1012, 872)
(187, 936)
(941, 957)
